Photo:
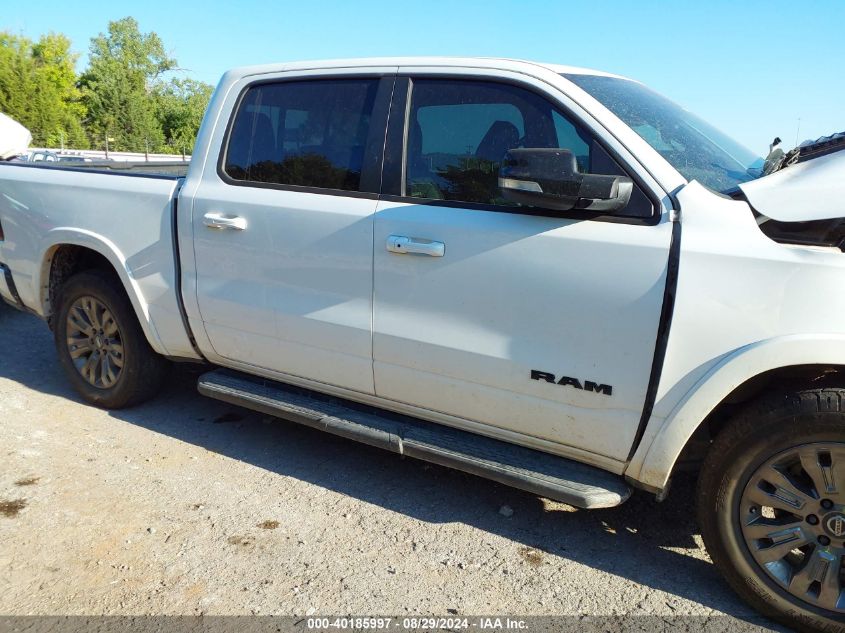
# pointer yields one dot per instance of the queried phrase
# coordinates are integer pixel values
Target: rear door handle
(402, 245)
(221, 221)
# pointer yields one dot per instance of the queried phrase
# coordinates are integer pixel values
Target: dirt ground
(188, 506)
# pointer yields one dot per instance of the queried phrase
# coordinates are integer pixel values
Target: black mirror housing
(549, 178)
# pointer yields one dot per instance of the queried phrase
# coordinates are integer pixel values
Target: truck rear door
(283, 225)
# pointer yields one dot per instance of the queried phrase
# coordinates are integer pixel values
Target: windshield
(692, 146)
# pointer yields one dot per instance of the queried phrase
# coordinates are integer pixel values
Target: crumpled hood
(812, 190)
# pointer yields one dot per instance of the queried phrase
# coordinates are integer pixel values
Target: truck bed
(171, 169)
(125, 215)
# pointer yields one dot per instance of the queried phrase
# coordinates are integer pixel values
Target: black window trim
(393, 179)
(372, 170)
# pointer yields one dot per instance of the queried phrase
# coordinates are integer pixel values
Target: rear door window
(303, 133)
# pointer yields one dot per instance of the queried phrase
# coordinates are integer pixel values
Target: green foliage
(472, 180)
(307, 170)
(121, 95)
(16, 75)
(180, 106)
(38, 88)
(118, 85)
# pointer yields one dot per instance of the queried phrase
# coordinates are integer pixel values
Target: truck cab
(318, 173)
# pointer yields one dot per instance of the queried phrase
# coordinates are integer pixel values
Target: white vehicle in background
(49, 156)
(548, 276)
(14, 138)
(41, 155)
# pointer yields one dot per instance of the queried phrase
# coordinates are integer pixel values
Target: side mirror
(550, 178)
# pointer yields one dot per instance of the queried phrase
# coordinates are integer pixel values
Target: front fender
(62, 236)
(665, 438)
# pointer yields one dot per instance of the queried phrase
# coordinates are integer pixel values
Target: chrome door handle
(222, 221)
(401, 244)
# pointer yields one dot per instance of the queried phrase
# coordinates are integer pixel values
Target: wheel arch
(69, 252)
(787, 363)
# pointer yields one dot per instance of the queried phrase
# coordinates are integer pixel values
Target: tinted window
(573, 139)
(307, 133)
(459, 132)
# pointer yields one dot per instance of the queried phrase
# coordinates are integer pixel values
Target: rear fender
(61, 236)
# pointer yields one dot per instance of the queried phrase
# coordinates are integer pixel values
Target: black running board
(537, 472)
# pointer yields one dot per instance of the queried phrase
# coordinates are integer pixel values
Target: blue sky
(751, 68)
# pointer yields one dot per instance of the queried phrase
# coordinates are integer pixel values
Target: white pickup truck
(549, 276)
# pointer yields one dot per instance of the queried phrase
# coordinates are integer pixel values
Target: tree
(38, 88)
(473, 179)
(55, 74)
(180, 106)
(16, 76)
(121, 95)
(119, 85)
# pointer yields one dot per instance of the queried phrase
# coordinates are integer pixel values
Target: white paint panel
(293, 291)
(127, 219)
(745, 304)
(813, 190)
(460, 334)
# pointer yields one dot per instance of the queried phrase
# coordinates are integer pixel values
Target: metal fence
(132, 157)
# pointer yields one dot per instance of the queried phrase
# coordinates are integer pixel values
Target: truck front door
(538, 325)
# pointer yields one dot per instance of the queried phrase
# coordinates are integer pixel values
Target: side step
(541, 473)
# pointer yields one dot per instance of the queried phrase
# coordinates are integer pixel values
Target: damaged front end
(802, 199)
(824, 233)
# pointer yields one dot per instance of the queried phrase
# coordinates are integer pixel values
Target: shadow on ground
(639, 540)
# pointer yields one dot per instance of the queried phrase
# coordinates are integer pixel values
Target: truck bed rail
(158, 169)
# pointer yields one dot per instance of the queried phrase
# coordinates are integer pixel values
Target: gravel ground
(190, 506)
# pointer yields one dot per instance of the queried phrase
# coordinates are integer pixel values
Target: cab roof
(517, 65)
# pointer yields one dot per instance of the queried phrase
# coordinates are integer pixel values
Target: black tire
(142, 371)
(755, 447)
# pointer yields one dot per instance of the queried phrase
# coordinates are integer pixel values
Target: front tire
(771, 507)
(101, 345)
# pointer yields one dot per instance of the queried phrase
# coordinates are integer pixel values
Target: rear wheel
(101, 345)
(771, 506)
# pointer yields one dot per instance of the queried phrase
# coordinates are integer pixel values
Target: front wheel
(101, 344)
(771, 506)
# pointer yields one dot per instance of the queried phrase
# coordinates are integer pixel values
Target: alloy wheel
(94, 342)
(792, 514)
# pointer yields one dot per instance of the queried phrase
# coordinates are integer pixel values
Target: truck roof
(501, 63)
